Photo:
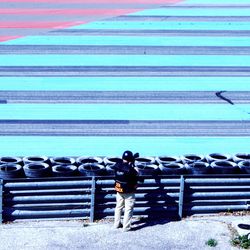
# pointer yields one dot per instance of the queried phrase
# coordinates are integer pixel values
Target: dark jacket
(126, 177)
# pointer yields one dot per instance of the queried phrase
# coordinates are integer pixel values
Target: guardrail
(93, 198)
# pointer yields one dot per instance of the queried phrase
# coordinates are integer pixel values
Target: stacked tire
(63, 166)
(36, 166)
(90, 166)
(11, 167)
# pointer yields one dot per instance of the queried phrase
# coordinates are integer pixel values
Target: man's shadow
(157, 205)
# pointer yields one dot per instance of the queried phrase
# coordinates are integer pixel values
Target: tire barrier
(37, 170)
(9, 159)
(64, 170)
(167, 159)
(111, 161)
(224, 167)
(144, 160)
(11, 170)
(110, 170)
(198, 168)
(91, 169)
(241, 157)
(62, 161)
(83, 159)
(244, 167)
(217, 157)
(167, 165)
(190, 158)
(36, 159)
(172, 169)
(147, 169)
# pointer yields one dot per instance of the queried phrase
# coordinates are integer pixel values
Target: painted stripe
(194, 12)
(113, 146)
(123, 60)
(167, 25)
(35, 24)
(217, 2)
(132, 41)
(6, 38)
(124, 112)
(125, 83)
(66, 11)
(95, 1)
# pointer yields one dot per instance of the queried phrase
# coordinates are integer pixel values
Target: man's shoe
(118, 226)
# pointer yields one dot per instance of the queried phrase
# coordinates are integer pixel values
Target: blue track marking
(172, 11)
(123, 112)
(125, 83)
(163, 25)
(114, 146)
(131, 41)
(217, 2)
(124, 60)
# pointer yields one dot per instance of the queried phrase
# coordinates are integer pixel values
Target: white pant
(127, 201)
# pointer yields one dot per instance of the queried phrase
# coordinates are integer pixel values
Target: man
(126, 178)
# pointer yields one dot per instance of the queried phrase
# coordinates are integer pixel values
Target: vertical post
(181, 196)
(92, 202)
(1, 201)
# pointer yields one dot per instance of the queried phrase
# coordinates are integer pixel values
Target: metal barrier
(1, 201)
(94, 197)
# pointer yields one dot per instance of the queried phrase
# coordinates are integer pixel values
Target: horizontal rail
(96, 198)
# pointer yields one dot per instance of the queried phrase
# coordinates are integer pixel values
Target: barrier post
(181, 196)
(92, 202)
(1, 201)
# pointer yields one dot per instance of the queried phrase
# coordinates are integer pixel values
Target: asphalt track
(96, 78)
(191, 97)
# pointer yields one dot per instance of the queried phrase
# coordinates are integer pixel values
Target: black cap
(128, 156)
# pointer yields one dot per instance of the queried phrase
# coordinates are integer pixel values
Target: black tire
(10, 171)
(241, 157)
(111, 161)
(144, 160)
(191, 158)
(91, 169)
(172, 169)
(224, 167)
(167, 159)
(198, 168)
(64, 170)
(37, 170)
(10, 159)
(84, 159)
(217, 157)
(147, 169)
(244, 167)
(62, 161)
(110, 170)
(36, 159)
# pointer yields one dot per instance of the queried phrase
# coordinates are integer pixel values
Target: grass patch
(242, 241)
(212, 243)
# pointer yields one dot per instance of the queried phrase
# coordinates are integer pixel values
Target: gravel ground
(190, 233)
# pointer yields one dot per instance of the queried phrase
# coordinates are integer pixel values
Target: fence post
(181, 196)
(1, 201)
(92, 202)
